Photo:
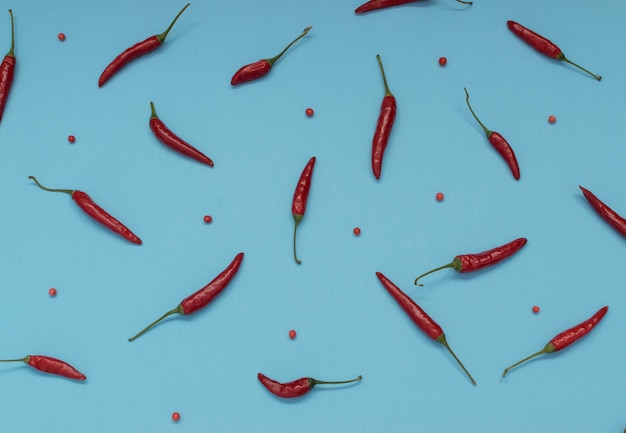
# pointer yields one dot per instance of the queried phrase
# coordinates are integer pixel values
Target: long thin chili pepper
(300, 197)
(498, 142)
(139, 49)
(473, 262)
(420, 318)
(84, 201)
(260, 68)
(7, 70)
(543, 45)
(173, 141)
(50, 365)
(565, 338)
(608, 214)
(298, 387)
(386, 118)
(373, 5)
(202, 297)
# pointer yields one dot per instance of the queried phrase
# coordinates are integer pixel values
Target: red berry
(71, 139)
(552, 119)
(208, 219)
(536, 309)
(309, 112)
(439, 196)
(52, 292)
(292, 334)
(356, 231)
(61, 37)
(175, 416)
(443, 61)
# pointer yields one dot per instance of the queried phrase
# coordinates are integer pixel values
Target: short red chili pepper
(498, 142)
(565, 338)
(50, 365)
(7, 70)
(84, 201)
(296, 388)
(373, 5)
(386, 117)
(608, 214)
(139, 49)
(543, 45)
(260, 68)
(202, 297)
(300, 197)
(173, 141)
(473, 262)
(420, 318)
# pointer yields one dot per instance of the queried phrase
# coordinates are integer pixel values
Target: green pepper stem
(297, 218)
(547, 349)
(25, 359)
(275, 58)
(442, 340)
(153, 115)
(163, 35)
(177, 310)
(11, 52)
(449, 265)
(465, 2)
(487, 131)
(382, 71)
(565, 59)
(323, 382)
(67, 191)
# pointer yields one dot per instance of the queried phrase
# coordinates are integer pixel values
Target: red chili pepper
(139, 49)
(473, 262)
(565, 338)
(386, 118)
(98, 214)
(173, 141)
(50, 365)
(420, 318)
(300, 197)
(296, 388)
(608, 214)
(498, 142)
(7, 70)
(260, 68)
(202, 297)
(373, 5)
(543, 45)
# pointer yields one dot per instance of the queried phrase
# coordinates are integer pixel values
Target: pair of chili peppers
(85, 202)
(608, 214)
(473, 262)
(139, 49)
(202, 297)
(543, 45)
(420, 318)
(173, 141)
(386, 118)
(299, 201)
(373, 5)
(50, 365)
(298, 387)
(7, 70)
(565, 338)
(261, 68)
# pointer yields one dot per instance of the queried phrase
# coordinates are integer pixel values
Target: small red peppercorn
(208, 219)
(52, 292)
(439, 196)
(61, 37)
(71, 139)
(442, 61)
(552, 119)
(536, 309)
(292, 334)
(356, 231)
(175, 416)
(309, 112)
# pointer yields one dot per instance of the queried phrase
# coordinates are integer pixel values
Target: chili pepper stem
(442, 340)
(549, 348)
(163, 35)
(297, 218)
(67, 191)
(25, 359)
(275, 58)
(565, 59)
(323, 382)
(177, 310)
(449, 265)
(487, 131)
(11, 52)
(465, 2)
(153, 115)
(382, 71)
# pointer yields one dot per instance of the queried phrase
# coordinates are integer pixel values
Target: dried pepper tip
(161, 37)
(279, 55)
(455, 264)
(549, 348)
(487, 131)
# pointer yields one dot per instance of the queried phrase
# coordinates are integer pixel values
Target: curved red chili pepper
(50, 365)
(260, 68)
(565, 338)
(139, 49)
(296, 388)
(84, 201)
(608, 214)
(173, 141)
(300, 197)
(373, 5)
(498, 142)
(386, 118)
(420, 318)
(473, 262)
(543, 45)
(202, 297)
(7, 70)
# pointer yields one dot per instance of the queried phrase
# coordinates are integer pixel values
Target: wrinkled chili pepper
(202, 297)
(473, 262)
(7, 70)
(543, 45)
(173, 141)
(386, 118)
(139, 49)
(260, 68)
(420, 318)
(373, 5)
(298, 387)
(608, 214)
(565, 338)
(50, 365)
(498, 142)
(300, 197)
(84, 201)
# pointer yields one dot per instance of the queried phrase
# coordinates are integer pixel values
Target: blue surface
(205, 366)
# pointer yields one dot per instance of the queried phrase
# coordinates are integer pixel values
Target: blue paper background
(204, 366)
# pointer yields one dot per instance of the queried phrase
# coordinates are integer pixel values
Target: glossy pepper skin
(608, 214)
(7, 70)
(386, 119)
(295, 388)
(300, 198)
(139, 49)
(173, 141)
(50, 365)
(373, 5)
(202, 297)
